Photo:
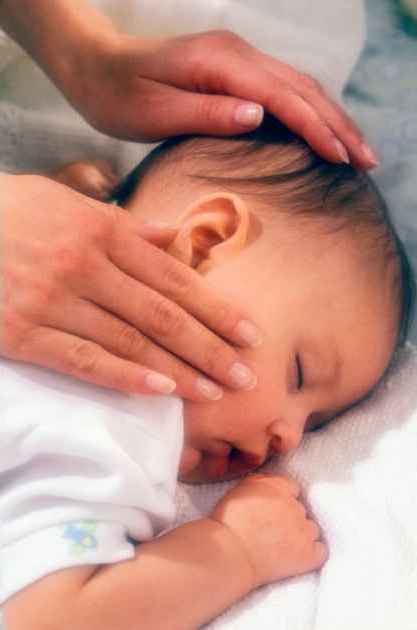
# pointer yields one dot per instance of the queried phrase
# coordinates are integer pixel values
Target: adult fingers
(178, 283)
(158, 235)
(329, 112)
(344, 128)
(178, 111)
(295, 99)
(87, 361)
(169, 325)
(216, 115)
(309, 118)
(122, 340)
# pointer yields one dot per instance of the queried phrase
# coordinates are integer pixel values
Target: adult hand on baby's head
(84, 293)
(268, 521)
(212, 83)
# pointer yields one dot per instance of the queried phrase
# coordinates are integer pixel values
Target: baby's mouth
(215, 467)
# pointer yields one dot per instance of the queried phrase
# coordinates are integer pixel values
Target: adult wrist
(57, 37)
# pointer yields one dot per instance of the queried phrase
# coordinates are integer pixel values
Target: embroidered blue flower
(81, 533)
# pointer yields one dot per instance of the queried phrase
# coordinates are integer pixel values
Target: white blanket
(359, 474)
(359, 479)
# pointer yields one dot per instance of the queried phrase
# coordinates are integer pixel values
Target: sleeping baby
(88, 476)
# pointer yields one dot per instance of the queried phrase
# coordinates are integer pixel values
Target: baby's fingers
(278, 483)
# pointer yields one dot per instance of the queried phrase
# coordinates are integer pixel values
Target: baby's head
(307, 248)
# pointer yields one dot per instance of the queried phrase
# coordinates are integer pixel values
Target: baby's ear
(211, 230)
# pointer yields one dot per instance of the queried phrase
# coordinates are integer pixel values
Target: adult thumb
(156, 233)
(211, 114)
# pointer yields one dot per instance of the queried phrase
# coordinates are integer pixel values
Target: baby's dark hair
(281, 171)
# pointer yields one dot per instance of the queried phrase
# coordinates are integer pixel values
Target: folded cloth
(82, 469)
(359, 480)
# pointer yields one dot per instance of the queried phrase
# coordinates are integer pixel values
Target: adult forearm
(178, 581)
(56, 33)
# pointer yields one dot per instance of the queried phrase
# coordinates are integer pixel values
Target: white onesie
(82, 471)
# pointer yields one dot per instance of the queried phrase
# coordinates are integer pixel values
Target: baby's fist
(270, 524)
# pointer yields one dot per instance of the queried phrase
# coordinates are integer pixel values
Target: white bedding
(359, 474)
(359, 478)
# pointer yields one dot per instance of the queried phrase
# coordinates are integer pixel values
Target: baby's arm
(258, 533)
(178, 581)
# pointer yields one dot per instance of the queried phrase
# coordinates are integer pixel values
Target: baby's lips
(243, 462)
(215, 467)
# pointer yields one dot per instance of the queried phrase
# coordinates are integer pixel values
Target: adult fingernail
(369, 155)
(209, 389)
(343, 154)
(249, 115)
(249, 333)
(160, 383)
(242, 377)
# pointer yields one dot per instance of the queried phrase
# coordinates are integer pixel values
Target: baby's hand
(271, 526)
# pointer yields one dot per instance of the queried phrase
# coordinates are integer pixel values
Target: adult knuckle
(130, 341)
(223, 317)
(211, 110)
(176, 282)
(311, 83)
(82, 358)
(72, 260)
(206, 46)
(212, 355)
(68, 260)
(226, 37)
(166, 319)
(103, 224)
(208, 38)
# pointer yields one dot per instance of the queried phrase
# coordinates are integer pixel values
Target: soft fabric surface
(359, 479)
(358, 474)
(76, 458)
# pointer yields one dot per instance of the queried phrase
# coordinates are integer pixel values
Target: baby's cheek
(253, 412)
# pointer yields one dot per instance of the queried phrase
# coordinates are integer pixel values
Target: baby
(309, 249)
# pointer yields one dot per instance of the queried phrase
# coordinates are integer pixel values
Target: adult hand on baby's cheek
(270, 523)
(88, 291)
(213, 83)
(158, 235)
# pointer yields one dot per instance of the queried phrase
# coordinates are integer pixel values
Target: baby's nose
(255, 450)
(285, 437)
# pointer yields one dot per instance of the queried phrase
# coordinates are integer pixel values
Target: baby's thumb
(215, 115)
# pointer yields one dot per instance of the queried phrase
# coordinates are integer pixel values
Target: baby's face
(328, 338)
(327, 342)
